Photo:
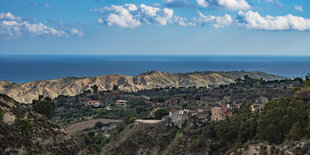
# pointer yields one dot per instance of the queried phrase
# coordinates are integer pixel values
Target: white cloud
(202, 3)
(298, 8)
(226, 4)
(74, 31)
(253, 20)
(131, 16)
(14, 27)
(46, 5)
(275, 2)
(8, 16)
(183, 21)
(215, 21)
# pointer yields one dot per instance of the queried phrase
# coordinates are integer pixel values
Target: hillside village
(184, 105)
(98, 118)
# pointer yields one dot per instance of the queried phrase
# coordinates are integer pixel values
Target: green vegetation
(239, 128)
(95, 88)
(25, 127)
(160, 113)
(276, 121)
(45, 106)
(1, 114)
(284, 119)
(115, 88)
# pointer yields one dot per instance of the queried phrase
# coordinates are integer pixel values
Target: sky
(161, 27)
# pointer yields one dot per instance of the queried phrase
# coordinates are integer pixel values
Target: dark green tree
(45, 106)
(238, 128)
(296, 132)
(1, 114)
(95, 88)
(160, 113)
(99, 125)
(25, 127)
(278, 117)
(115, 88)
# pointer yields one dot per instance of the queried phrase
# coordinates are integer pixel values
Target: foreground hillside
(26, 92)
(282, 127)
(26, 132)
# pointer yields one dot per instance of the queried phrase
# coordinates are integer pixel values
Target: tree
(1, 114)
(99, 125)
(308, 77)
(131, 119)
(115, 88)
(278, 117)
(160, 113)
(296, 132)
(45, 106)
(140, 109)
(238, 128)
(25, 126)
(95, 88)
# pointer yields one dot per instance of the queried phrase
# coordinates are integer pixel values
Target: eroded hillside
(26, 92)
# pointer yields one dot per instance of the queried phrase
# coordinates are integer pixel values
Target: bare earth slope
(26, 92)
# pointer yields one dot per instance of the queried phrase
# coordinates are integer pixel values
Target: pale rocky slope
(26, 92)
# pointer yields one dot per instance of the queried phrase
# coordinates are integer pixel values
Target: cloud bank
(253, 20)
(14, 27)
(226, 4)
(215, 21)
(131, 16)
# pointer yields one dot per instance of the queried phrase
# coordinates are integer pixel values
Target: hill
(23, 131)
(26, 92)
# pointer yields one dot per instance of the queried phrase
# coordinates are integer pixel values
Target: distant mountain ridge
(71, 86)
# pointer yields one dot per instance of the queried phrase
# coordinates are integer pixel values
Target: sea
(24, 68)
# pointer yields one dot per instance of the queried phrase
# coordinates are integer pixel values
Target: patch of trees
(25, 127)
(1, 114)
(282, 119)
(115, 88)
(45, 106)
(160, 113)
(95, 88)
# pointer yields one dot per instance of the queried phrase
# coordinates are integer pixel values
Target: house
(257, 107)
(93, 103)
(178, 117)
(121, 103)
(220, 113)
(203, 114)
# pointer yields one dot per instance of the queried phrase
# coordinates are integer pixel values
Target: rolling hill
(71, 86)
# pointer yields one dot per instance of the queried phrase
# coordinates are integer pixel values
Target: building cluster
(97, 104)
(194, 117)
(201, 115)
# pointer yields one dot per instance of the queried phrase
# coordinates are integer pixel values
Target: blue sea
(21, 68)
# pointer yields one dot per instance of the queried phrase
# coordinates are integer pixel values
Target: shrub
(1, 114)
(98, 125)
(25, 126)
(131, 119)
(160, 113)
(45, 106)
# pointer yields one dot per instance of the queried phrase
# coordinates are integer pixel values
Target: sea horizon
(25, 68)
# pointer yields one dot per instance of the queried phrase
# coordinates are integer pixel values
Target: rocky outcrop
(26, 92)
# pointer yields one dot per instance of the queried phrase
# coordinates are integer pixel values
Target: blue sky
(193, 27)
